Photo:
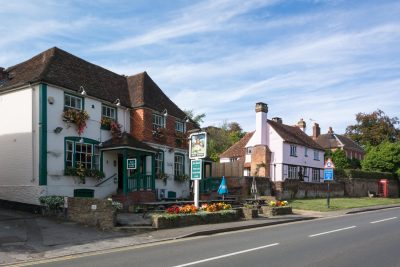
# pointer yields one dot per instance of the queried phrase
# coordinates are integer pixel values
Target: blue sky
(323, 61)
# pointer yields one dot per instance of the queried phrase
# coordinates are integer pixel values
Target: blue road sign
(328, 174)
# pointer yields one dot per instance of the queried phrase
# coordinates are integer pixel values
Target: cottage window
(249, 150)
(315, 175)
(293, 151)
(179, 165)
(179, 126)
(159, 162)
(158, 121)
(305, 152)
(108, 112)
(292, 172)
(74, 102)
(86, 153)
(316, 155)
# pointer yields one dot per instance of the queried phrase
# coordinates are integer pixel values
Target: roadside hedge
(359, 174)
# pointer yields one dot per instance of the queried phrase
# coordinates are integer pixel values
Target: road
(364, 239)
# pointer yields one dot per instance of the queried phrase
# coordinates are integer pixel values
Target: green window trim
(109, 107)
(183, 162)
(43, 134)
(76, 139)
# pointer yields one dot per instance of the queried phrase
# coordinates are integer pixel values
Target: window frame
(293, 150)
(292, 172)
(249, 150)
(72, 96)
(177, 122)
(95, 155)
(182, 165)
(305, 151)
(316, 155)
(159, 164)
(107, 107)
(315, 175)
(161, 123)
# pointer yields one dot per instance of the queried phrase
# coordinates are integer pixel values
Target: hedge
(358, 174)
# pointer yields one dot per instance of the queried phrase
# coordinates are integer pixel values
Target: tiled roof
(335, 140)
(144, 92)
(57, 67)
(294, 135)
(127, 140)
(238, 149)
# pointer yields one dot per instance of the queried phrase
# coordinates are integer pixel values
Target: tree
(197, 119)
(339, 159)
(384, 158)
(373, 129)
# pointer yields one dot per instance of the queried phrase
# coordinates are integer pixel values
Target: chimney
(3, 74)
(277, 120)
(316, 130)
(330, 131)
(261, 124)
(302, 125)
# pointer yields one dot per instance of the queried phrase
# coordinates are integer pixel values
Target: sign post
(328, 176)
(197, 151)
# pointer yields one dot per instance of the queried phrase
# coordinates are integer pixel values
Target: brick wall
(360, 187)
(142, 128)
(260, 161)
(290, 189)
(81, 210)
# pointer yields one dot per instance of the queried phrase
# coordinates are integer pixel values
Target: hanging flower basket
(116, 129)
(78, 117)
(105, 123)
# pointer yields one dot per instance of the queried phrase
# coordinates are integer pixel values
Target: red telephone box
(383, 185)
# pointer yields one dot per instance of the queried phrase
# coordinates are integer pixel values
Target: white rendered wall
(59, 184)
(18, 142)
(276, 147)
(181, 189)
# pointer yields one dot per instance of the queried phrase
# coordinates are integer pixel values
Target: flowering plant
(79, 117)
(278, 203)
(105, 123)
(184, 209)
(215, 207)
(115, 129)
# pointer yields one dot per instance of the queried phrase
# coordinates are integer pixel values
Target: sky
(323, 61)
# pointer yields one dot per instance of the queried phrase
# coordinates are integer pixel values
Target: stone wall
(93, 212)
(290, 189)
(360, 187)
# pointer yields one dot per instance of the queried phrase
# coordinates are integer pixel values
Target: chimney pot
(316, 131)
(330, 130)
(261, 107)
(277, 120)
(302, 125)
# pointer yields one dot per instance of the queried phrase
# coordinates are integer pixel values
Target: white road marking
(226, 255)
(384, 220)
(333, 231)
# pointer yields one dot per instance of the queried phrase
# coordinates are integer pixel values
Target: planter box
(249, 214)
(181, 220)
(272, 211)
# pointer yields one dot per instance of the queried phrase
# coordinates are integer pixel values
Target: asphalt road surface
(364, 239)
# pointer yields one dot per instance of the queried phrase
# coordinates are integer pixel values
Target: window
(305, 152)
(179, 165)
(249, 150)
(86, 153)
(108, 112)
(292, 172)
(179, 126)
(158, 121)
(316, 155)
(74, 102)
(293, 151)
(315, 175)
(159, 162)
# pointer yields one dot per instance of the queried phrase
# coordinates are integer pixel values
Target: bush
(52, 203)
(358, 174)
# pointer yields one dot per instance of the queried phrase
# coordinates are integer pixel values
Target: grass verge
(340, 203)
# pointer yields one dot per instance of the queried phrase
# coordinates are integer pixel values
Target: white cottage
(278, 151)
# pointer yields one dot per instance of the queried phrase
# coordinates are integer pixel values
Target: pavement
(26, 237)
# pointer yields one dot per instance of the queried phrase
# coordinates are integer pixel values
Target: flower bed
(277, 208)
(187, 215)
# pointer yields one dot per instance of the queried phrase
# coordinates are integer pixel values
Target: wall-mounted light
(165, 112)
(81, 140)
(117, 102)
(186, 119)
(58, 130)
(82, 90)
(170, 150)
(50, 99)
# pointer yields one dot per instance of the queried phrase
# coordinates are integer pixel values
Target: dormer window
(179, 126)
(158, 121)
(73, 102)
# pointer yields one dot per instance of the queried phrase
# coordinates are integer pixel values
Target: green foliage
(339, 158)
(197, 119)
(221, 138)
(384, 157)
(82, 172)
(373, 129)
(52, 203)
(358, 174)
